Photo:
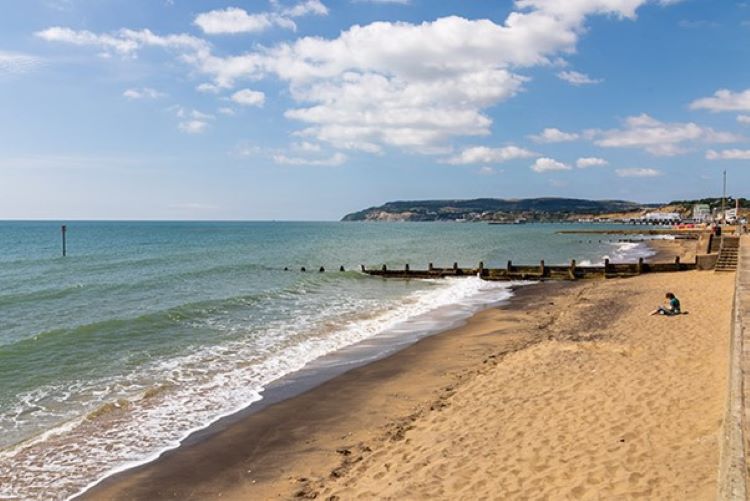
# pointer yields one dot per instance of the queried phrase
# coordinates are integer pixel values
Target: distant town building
(662, 216)
(701, 212)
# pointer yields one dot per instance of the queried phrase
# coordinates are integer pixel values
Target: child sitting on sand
(672, 306)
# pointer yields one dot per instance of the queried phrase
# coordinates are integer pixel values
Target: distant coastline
(532, 210)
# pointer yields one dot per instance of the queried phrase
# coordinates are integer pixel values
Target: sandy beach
(569, 391)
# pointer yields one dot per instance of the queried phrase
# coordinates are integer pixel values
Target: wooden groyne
(540, 271)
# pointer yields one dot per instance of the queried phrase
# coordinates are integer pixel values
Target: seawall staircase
(727, 260)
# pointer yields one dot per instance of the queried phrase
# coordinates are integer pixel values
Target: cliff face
(491, 209)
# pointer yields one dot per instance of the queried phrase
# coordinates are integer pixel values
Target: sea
(149, 331)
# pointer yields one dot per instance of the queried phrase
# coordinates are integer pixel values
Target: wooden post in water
(430, 267)
(572, 269)
(481, 268)
(64, 230)
(606, 266)
(322, 269)
(362, 267)
(541, 268)
(640, 265)
(406, 268)
(510, 265)
(455, 266)
(385, 268)
(341, 268)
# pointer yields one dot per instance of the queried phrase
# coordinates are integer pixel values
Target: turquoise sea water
(148, 331)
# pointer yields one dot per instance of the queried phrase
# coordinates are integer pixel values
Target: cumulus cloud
(743, 119)
(586, 162)
(143, 93)
(485, 155)
(335, 160)
(659, 138)
(733, 154)
(577, 79)
(387, 84)
(638, 172)
(17, 63)
(247, 97)
(546, 164)
(552, 135)
(233, 20)
(724, 100)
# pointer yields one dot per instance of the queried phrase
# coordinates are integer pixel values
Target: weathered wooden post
(481, 268)
(510, 265)
(303, 269)
(406, 268)
(322, 270)
(286, 268)
(541, 268)
(64, 230)
(341, 268)
(606, 266)
(640, 265)
(362, 267)
(677, 260)
(385, 268)
(572, 269)
(430, 267)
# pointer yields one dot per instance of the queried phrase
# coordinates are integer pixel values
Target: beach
(569, 390)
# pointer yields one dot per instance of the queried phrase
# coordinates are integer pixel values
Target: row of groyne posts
(540, 271)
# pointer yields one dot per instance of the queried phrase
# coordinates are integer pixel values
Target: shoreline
(172, 472)
(285, 401)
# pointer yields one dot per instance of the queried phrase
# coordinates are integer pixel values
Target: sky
(310, 109)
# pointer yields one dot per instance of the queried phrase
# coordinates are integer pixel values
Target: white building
(701, 212)
(662, 216)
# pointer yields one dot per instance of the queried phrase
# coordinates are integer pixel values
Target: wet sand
(569, 391)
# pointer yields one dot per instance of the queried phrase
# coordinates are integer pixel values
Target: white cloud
(124, 41)
(546, 164)
(208, 88)
(733, 154)
(552, 135)
(143, 93)
(247, 97)
(485, 155)
(193, 126)
(743, 119)
(17, 63)
(335, 160)
(233, 20)
(414, 86)
(585, 162)
(389, 84)
(638, 172)
(576, 78)
(724, 100)
(659, 138)
(226, 111)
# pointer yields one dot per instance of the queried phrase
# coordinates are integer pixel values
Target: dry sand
(570, 392)
(616, 405)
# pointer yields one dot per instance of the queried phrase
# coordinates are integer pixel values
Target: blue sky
(309, 109)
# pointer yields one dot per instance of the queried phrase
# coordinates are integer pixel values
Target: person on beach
(672, 306)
